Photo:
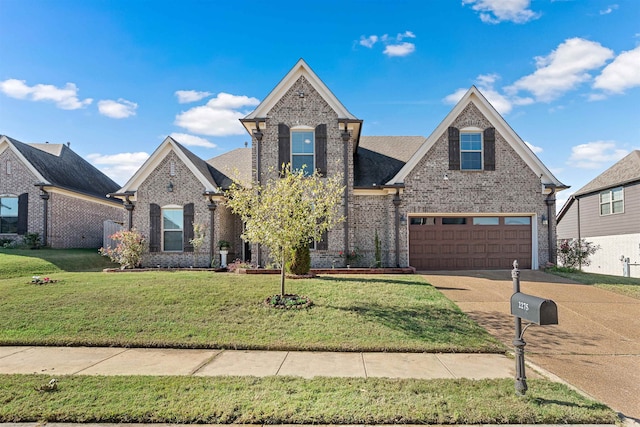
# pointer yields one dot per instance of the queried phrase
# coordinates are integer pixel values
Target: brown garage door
(469, 243)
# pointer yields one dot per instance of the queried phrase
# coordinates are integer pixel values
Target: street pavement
(595, 347)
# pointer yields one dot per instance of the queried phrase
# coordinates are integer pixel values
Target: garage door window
(454, 221)
(517, 220)
(423, 221)
(486, 220)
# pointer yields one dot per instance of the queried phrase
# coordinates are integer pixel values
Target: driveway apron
(595, 347)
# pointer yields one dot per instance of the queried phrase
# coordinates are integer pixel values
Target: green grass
(287, 400)
(629, 286)
(29, 262)
(225, 310)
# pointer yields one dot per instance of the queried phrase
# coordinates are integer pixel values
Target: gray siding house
(606, 212)
(471, 195)
(48, 189)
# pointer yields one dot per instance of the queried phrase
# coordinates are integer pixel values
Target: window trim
(611, 201)
(472, 131)
(163, 230)
(292, 154)
(17, 215)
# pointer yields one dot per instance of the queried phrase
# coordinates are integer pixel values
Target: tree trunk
(282, 273)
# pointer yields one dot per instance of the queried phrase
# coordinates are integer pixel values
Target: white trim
(301, 68)
(156, 158)
(85, 197)
(5, 144)
(502, 127)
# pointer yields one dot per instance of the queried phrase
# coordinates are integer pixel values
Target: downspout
(396, 208)
(258, 134)
(345, 146)
(44, 195)
(551, 201)
(579, 231)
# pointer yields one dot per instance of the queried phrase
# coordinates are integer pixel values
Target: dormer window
(472, 149)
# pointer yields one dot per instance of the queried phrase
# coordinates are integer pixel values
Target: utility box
(534, 309)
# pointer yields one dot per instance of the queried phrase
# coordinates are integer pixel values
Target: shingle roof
(233, 164)
(380, 158)
(623, 172)
(204, 168)
(66, 169)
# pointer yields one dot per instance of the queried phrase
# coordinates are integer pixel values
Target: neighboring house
(470, 196)
(48, 189)
(606, 212)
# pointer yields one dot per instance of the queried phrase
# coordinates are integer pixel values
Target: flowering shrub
(573, 253)
(237, 264)
(128, 252)
(350, 257)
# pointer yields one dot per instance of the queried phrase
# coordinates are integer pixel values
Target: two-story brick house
(472, 195)
(50, 190)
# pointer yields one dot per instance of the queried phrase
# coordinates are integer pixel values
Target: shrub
(300, 261)
(32, 240)
(574, 253)
(129, 249)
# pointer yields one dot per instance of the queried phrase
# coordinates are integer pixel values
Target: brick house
(48, 189)
(606, 212)
(472, 195)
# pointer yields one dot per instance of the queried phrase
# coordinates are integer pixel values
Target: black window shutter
(490, 149)
(323, 243)
(154, 227)
(454, 148)
(284, 146)
(23, 212)
(187, 226)
(321, 149)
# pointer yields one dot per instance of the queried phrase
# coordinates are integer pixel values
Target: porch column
(44, 195)
(129, 207)
(396, 209)
(212, 222)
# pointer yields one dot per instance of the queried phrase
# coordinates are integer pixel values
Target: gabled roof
(625, 171)
(236, 164)
(58, 166)
(379, 158)
(300, 69)
(200, 169)
(474, 96)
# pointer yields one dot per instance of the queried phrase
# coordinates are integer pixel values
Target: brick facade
(73, 220)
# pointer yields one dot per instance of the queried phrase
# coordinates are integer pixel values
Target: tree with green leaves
(290, 210)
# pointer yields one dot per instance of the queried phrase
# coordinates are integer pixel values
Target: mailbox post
(534, 309)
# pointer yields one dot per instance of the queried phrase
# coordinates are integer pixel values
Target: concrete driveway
(595, 346)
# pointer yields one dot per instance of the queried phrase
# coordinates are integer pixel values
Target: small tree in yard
(199, 235)
(287, 212)
(574, 253)
(129, 249)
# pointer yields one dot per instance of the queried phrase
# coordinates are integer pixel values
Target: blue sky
(116, 77)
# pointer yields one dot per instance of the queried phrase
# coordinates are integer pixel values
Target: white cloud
(186, 96)
(65, 98)
(496, 11)
(120, 109)
(119, 167)
(595, 155)
(609, 9)
(192, 140)
(563, 69)
(219, 117)
(621, 74)
(485, 83)
(393, 46)
(368, 41)
(534, 148)
(402, 49)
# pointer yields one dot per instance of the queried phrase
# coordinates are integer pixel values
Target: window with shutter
(8, 215)
(155, 227)
(188, 227)
(172, 229)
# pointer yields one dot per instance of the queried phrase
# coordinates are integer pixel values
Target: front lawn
(225, 310)
(29, 262)
(288, 400)
(629, 286)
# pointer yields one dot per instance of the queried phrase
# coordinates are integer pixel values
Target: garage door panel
(467, 246)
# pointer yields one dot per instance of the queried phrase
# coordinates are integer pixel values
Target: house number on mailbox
(523, 306)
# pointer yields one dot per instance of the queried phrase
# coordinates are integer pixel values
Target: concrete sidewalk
(136, 361)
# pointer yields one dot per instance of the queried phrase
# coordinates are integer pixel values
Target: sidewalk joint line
(210, 359)
(282, 363)
(364, 366)
(445, 366)
(124, 350)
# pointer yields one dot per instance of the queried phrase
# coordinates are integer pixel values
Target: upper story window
(471, 151)
(302, 150)
(612, 201)
(8, 215)
(172, 229)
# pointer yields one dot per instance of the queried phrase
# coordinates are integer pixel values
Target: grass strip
(629, 286)
(223, 310)
(289, 400)
(29, 262)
